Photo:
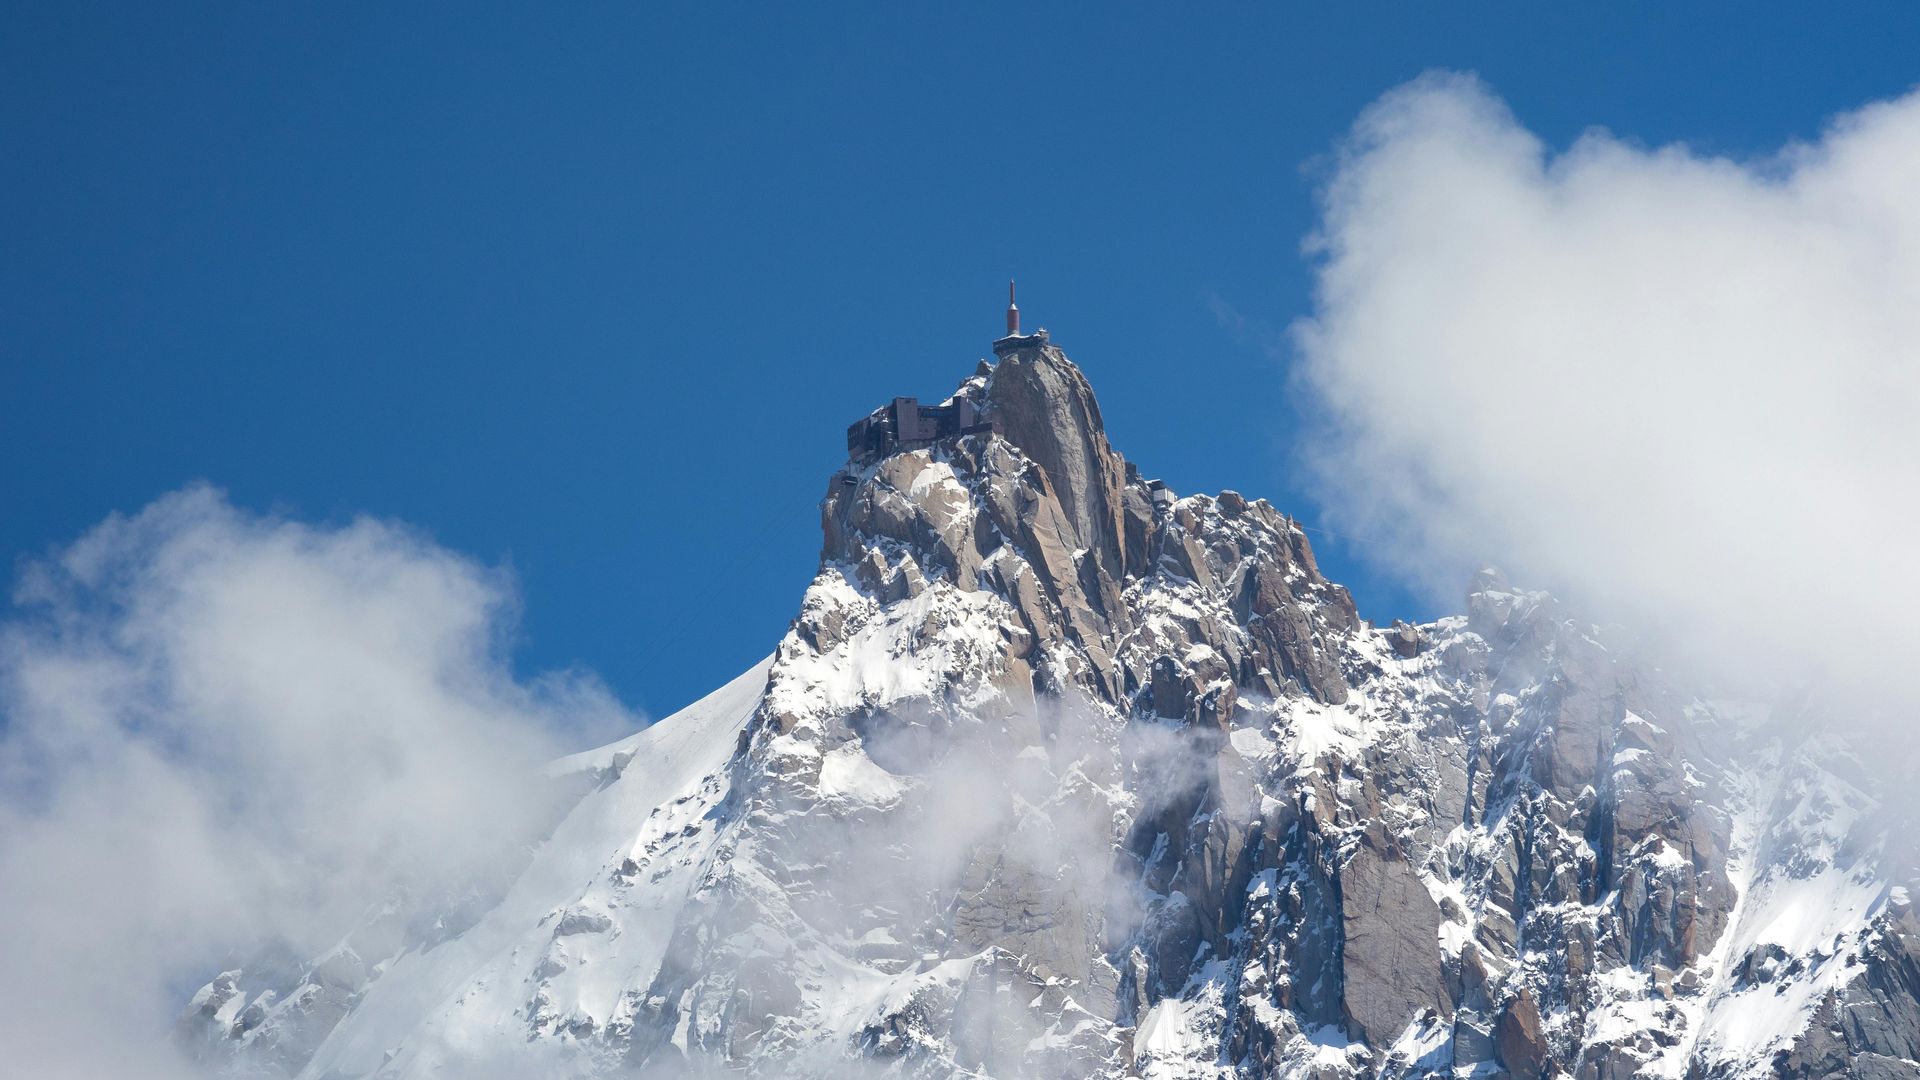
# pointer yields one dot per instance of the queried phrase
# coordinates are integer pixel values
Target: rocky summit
(1060, 774)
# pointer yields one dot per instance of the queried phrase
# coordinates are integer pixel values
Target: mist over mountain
(1060, 773)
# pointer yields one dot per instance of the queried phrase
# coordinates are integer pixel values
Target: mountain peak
(1033, 505)
(1059, 773)
(1042, 403)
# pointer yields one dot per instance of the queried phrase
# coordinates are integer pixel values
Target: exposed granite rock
(1521, 1038)
(1046, 408)
(1391, 966)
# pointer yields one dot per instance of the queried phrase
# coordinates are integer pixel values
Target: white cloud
(1682, 388)
(223, 730)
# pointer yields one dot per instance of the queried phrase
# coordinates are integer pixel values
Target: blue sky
(593, 291)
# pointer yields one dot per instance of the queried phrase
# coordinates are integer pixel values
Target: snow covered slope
(585, 920)
(1058, 773)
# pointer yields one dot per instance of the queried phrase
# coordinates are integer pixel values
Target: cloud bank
(223, 731)
(1682, 389)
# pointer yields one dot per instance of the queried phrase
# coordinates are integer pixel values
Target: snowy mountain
(1057, 774)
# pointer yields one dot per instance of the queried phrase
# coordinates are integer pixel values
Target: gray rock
(1392, 965)
(1521, 1038)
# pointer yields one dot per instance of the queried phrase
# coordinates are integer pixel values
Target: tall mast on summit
(1013, 313)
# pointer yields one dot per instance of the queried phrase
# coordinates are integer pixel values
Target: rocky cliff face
(1058, 774)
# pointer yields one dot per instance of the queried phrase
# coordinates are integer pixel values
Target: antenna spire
(1013, 312)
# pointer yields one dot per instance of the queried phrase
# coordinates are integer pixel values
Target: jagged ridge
(1059, 774)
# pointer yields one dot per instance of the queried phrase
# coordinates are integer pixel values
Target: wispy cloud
(224, 730)
(1680, 387)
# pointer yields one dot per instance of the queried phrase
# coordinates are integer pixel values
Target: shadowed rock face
(1057, 774)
